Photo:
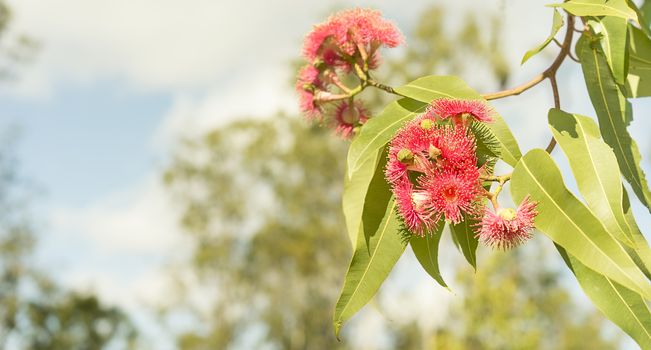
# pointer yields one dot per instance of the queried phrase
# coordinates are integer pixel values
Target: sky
(115, 84)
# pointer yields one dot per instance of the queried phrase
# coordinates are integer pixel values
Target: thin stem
(493, 198)
(557, 98)
(335, 80)
(571, 55)
(501, 179)
(384, 87)
(557, 104)
(558, 43)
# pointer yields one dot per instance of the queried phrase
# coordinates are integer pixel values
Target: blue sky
(116, 83)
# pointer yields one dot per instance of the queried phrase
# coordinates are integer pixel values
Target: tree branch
(550, 71)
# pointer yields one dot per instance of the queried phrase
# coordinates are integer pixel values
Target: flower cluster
(346, 44)
(434, 174)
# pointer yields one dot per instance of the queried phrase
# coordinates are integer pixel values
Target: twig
(384, 87)
(551, 70)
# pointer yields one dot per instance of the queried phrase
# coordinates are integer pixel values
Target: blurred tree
(16, 49)
(35, 313)
(261, 204)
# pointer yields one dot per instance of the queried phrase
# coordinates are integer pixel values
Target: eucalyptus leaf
(614, 113)
(570, 224)
(624, 307)
(369, 267)
(426, 250)
(613, 33)
(595, 168)
(557, 24)
(355, 190)
(638, 82)
(465, 238)
(377, 132)
(592, 8)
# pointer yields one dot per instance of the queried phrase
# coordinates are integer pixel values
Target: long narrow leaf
(614, 114)
(595, 168)
(570, 224)
(621, 305)
(557, 24)
(464, 237)
(426, 250)
(369, 267)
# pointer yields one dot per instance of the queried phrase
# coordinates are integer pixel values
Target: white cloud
(253, 95)
(154, 44)
(139, 220)
(185, 44)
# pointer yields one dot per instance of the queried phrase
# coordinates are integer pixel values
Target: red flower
(432, 149)
(413, 207)
(454, 193)
(508, 228)
(307, 83)
(348, 118)
(342, 34)
(446, 108)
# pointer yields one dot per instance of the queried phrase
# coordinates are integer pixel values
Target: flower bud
(507, 214)
(433, 152)
(426, 124)
(405, 156)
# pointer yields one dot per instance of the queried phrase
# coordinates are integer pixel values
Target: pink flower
(367, 27)
(446, 108)
(508, 228)
(307, 83)
(348, 117)
(453, 194)
(342, 32)
(433, 148)
(413, 207)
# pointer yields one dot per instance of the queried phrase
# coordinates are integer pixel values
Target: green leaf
(593, 8)
(377, 132)
(369, 267)
(557, 24)
(642, 14)
(642, 247)
(613, 33)
(426, 250)
(614, 114)
(621, 305)
(354, 196)
(570, 224)
(646, 9)
(427, 89)
(595, 168)
(638, 81)
(464, 238)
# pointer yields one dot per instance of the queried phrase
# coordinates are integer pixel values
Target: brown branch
(550, 71)
(516, 90)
